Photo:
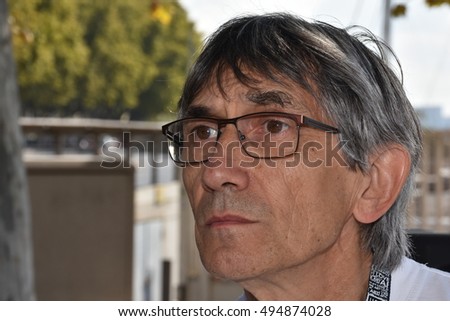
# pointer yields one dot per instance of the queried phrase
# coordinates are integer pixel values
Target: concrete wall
(156, 241)
(82, 228)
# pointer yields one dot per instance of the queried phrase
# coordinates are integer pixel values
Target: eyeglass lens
(261, 136)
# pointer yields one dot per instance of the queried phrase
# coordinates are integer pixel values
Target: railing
(59, 129)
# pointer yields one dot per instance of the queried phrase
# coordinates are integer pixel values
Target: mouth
(227, 220)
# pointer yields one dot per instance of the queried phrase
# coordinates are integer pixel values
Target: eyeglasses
(261, 135)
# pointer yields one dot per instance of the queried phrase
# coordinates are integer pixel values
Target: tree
(16, 262)
(100, 58)
(175, 43)
(49, 51)
(119, 67)
(435, 3)
(400, 9)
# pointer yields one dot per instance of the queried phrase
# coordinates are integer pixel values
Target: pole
(387, 22)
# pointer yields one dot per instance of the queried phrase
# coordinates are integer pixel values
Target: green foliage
(101, 58)
(399, 10)
(175, 56)
(435, 3)
(49, 50)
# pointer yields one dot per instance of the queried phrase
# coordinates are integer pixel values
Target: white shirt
(413, 281)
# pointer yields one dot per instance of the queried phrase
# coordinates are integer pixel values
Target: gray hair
(349, 76)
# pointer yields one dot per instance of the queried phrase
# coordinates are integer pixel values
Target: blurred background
(91, 206)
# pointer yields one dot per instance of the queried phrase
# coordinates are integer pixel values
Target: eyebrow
(270, 97)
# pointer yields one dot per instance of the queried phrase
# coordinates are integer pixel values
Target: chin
(229, 266)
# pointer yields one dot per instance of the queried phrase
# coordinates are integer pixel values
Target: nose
(232, 129)
(224, 169)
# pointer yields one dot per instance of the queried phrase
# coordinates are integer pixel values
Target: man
(299, 149)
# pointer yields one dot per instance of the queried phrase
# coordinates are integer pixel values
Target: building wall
(82, 228)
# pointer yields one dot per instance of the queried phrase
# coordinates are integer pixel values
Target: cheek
(191, 181)
(315, 213)
(187, 177)
(288, 196)
(302, 223)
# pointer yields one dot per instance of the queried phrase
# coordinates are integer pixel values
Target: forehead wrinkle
(197, 111)
(286, 96)
(302, 103)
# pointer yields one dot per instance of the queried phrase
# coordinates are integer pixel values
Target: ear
(389, 169)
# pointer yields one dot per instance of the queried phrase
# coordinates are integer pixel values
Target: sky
(421, 39)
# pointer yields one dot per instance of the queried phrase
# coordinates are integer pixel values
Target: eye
(257, 127)
(203, 132)
(274, 126)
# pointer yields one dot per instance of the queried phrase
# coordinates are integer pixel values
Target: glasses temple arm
(319, 125)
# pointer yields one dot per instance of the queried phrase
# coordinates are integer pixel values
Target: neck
(340, 273)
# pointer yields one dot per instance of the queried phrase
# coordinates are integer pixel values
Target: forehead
(261, 92)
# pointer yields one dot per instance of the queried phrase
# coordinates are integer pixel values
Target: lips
(227, 220)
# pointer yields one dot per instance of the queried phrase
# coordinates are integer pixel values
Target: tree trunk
(16, 255)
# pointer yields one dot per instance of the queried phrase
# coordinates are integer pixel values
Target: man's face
(257, 221)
